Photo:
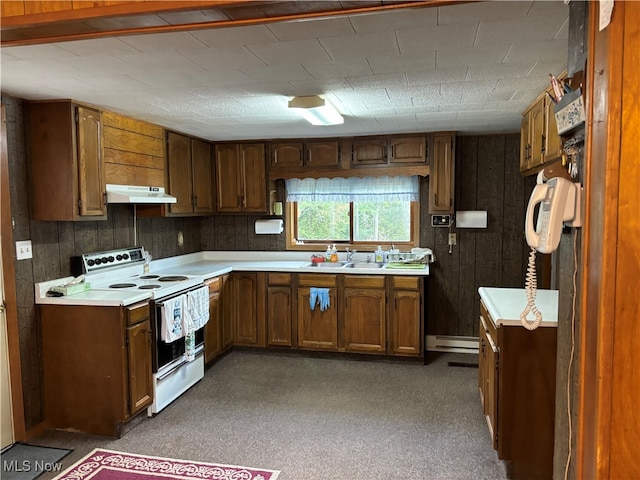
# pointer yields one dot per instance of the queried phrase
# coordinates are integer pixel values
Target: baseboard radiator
(455, 344)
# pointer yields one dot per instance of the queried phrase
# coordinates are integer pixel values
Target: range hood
(137, 194)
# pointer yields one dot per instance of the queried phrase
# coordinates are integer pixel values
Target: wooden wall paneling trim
(9, 283)
(42, 28)
(133, 159)
(597, 309)
(466, 186)
(131, 175)
(625, 419)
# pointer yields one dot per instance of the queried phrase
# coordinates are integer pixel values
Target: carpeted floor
(320, 418)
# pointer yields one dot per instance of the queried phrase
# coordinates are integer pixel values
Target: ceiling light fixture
(316, 110)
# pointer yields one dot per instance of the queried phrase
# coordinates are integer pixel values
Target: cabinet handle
(104, 198)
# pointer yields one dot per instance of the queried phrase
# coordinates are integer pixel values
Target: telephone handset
(559, 201)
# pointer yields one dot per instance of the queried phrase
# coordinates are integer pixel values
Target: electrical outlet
(452, 239)
(23, 250)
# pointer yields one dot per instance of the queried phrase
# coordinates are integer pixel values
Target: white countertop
(208, 265)
(506, 304)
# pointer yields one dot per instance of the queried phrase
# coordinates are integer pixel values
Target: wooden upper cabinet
(536, 134)
(552, 141)
(190, 173)
(202, 168)
(539, 139)
(67, 164)
(292, 155)
(322, 154)
(241, 178)
(408, 149)
(287, 155)
(442, 175)
(370, 151)
(179, 172)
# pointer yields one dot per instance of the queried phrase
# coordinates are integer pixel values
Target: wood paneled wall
(487, 178)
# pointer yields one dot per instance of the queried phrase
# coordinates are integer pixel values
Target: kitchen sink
(326, 264)
(363, 265)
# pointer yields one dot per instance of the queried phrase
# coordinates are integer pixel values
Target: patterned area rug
(110, 465)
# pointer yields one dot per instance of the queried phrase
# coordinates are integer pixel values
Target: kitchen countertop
(506, 304)
(209, 264)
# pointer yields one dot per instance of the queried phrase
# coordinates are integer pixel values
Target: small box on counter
(71, 289)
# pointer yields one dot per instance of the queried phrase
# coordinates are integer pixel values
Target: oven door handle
(199, 351)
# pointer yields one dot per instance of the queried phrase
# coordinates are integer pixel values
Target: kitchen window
(355, 212)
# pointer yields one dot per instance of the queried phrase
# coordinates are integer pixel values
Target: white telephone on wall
(559, 201)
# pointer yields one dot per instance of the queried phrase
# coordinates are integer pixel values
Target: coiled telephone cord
(531, 286)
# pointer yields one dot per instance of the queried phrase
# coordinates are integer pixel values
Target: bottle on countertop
(379, 255)
(334, 253)
(327, 254)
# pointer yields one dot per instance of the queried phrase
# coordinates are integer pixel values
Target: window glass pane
(326, 221)
(385, 221)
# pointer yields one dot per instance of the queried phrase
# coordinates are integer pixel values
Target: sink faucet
(350, 254)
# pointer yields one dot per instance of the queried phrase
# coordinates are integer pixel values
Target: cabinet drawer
(406, 283)
(317, 280)
(489, 324)
(137, 313)
(279, 279)
(364, 281)
(213, 284)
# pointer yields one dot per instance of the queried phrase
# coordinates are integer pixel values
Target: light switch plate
(23, 250)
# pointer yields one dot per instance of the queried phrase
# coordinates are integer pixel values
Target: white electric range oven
(174, 369)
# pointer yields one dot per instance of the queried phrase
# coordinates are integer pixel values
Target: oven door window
(168, 352)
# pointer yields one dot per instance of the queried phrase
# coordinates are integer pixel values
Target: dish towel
(198, 307)
(173, 313)
(319, 295)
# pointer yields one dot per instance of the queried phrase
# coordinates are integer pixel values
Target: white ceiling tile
(284, 73)
(360, 46)
(233, 57)
(447, 36)
(97, 47)
(439, 75)
(547, 51)
(315, 87)
(499, 71)
(467, 107)
(397, 20)
(289, 52)
(457, 57)
(479, 11)
(328, 27)
(378, 81)
(528, 29)
(234, 36)
(162, 42)
(404, 63)
(37, 52)
(340, 69)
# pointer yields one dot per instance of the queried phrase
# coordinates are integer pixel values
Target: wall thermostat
(440, 220)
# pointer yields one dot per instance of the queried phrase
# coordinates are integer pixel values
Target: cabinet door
(441, 176)
(279, 315)
(286, 155)
(202, 176)
(552, 141)
(364, 320)
(371, 151)
(91, 182)
(322, 154)
(213, 328)
(525, 142)
(139, 356)
(227, 305)
(488, 378)
(228, 178)
(406, 320)
(246, 326)
(537, 134)
(254, 178)
(317, 329)
(180, 172)
(409, 150)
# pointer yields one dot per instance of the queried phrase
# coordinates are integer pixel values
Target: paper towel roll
(271, 226)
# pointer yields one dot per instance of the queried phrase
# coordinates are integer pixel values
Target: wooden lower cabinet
(406, 316)
(364, 314)
(213, 328)
(97, 366)
(516, 381)
(317, 329)
(227, 319)
(249, 309)
(279, 310)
